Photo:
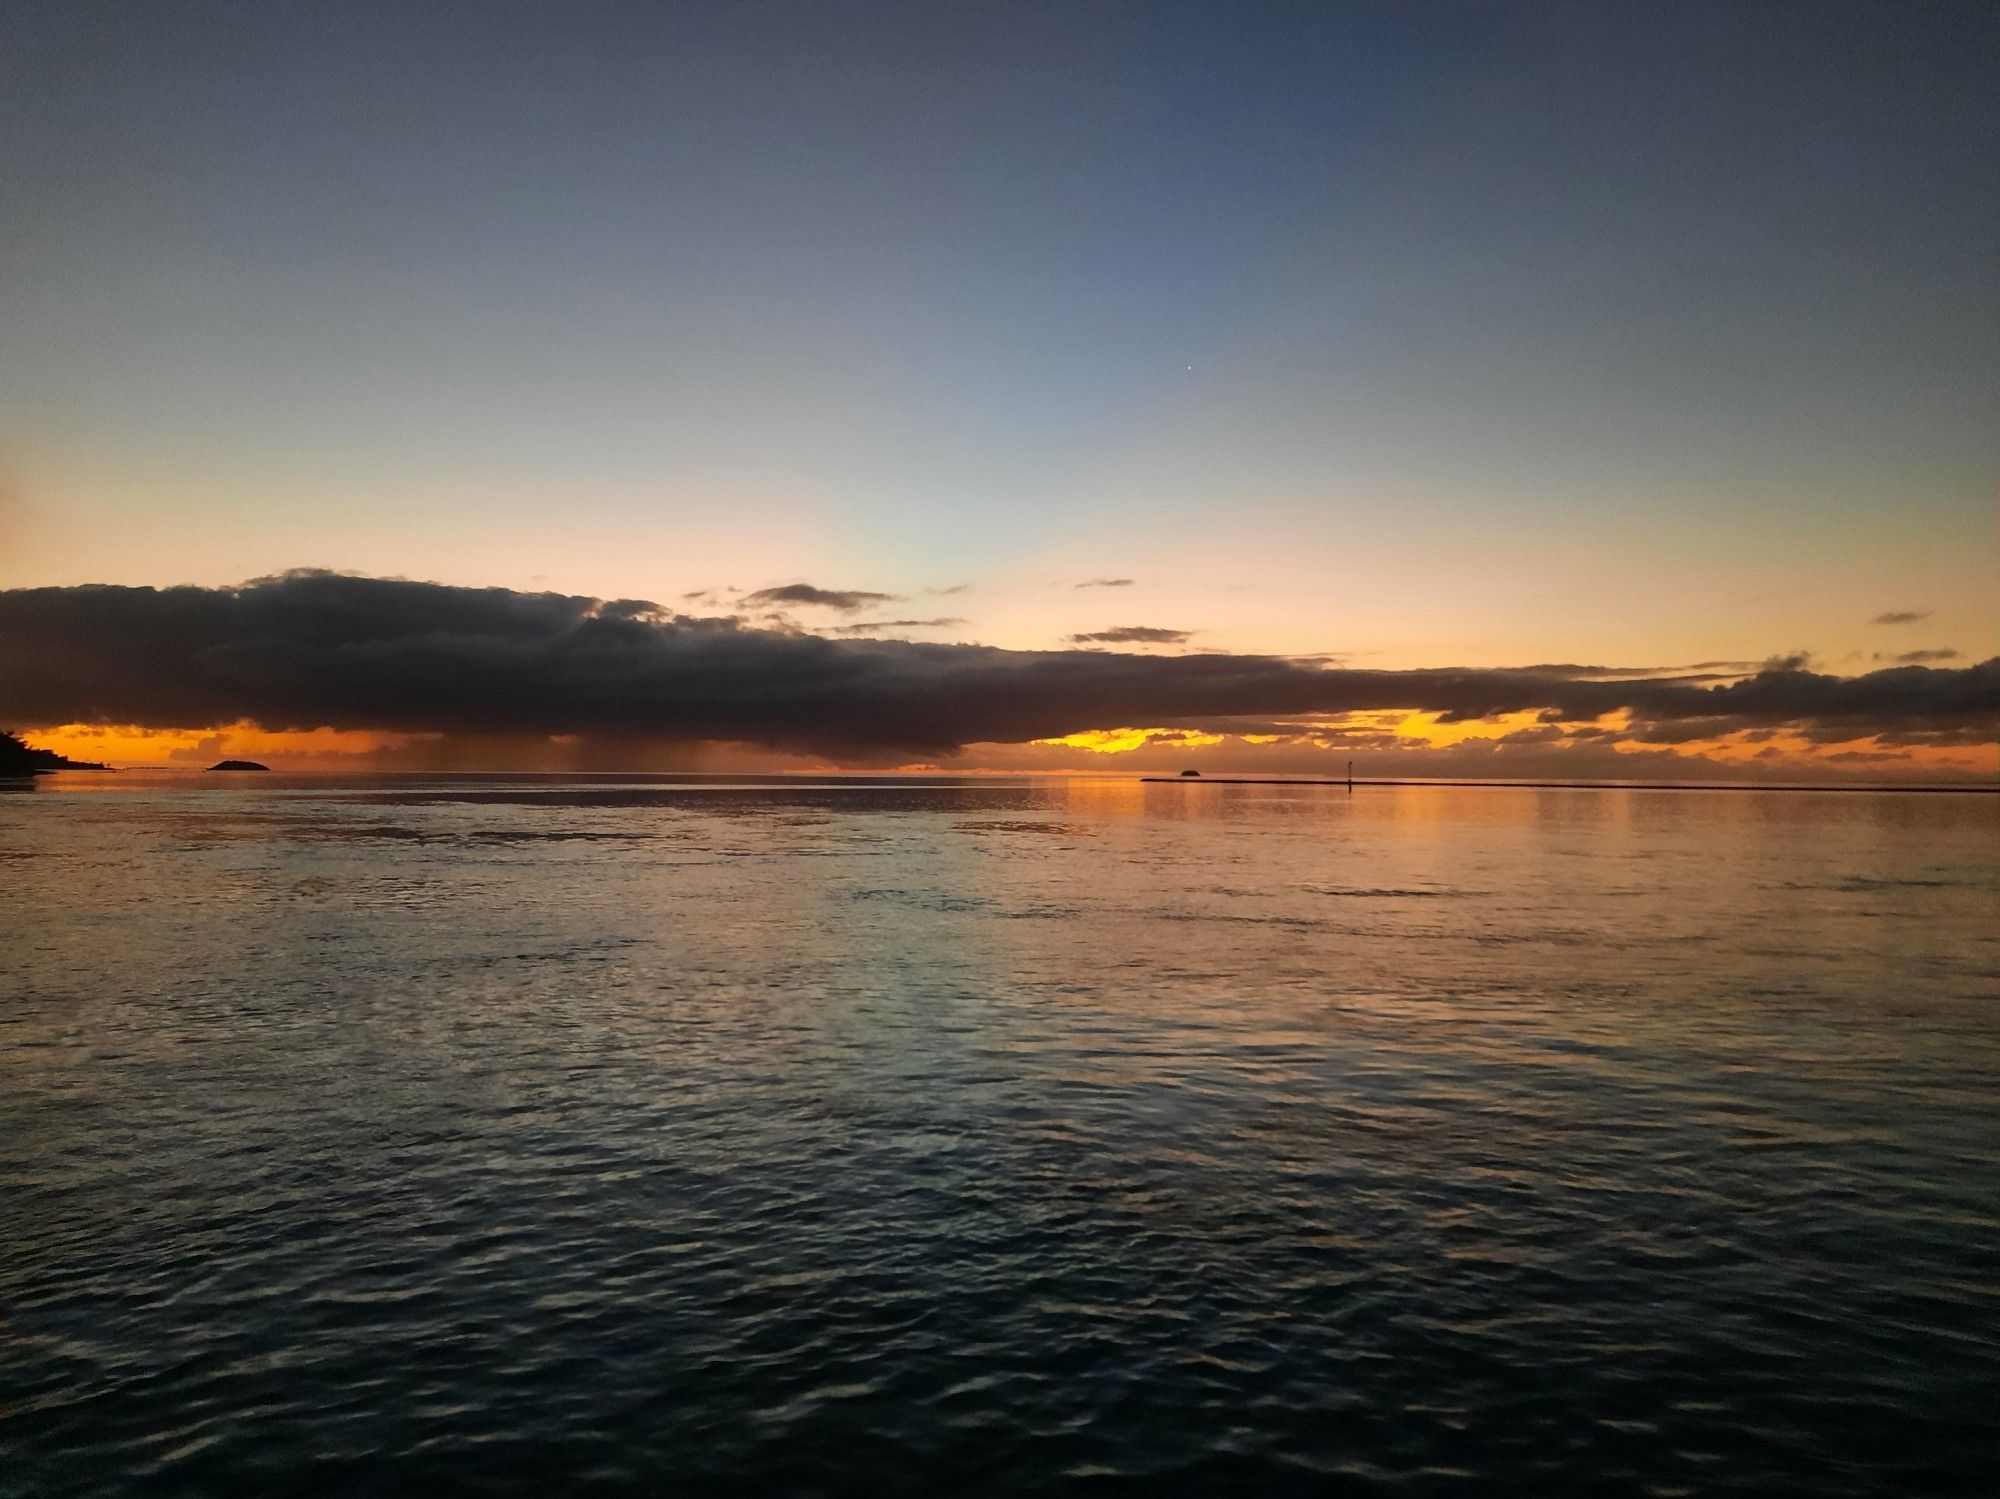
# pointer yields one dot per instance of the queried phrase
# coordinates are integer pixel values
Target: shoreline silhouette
(19, 758)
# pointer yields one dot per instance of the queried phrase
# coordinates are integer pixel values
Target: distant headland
(238, 765)
(18, 758)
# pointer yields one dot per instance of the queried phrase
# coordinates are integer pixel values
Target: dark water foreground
(432, 1136)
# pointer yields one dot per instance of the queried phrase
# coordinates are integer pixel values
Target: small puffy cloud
(1789, 661)
(844, 600)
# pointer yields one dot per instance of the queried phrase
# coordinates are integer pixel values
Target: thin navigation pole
(1350, 775)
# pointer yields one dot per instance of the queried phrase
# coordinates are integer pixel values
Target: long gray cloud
(312, 649)
(1922, 658)
(1132, 635)
(846, 600)
(872, 626)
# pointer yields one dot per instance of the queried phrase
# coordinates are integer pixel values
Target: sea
(427, 1135)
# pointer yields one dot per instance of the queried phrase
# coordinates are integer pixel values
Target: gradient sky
(1425, 334)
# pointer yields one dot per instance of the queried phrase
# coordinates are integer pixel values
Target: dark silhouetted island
(238, 765)
(18, 758)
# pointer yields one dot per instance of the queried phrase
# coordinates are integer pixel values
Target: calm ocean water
(427, 1135)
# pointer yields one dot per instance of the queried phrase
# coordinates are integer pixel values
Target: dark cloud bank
(312, 649)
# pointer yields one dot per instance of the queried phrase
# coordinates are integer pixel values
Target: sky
(1635, 338)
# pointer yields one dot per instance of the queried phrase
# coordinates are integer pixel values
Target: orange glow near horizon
(1123, 741)
(131, 745)
(1396, 743)
(1431, 731)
